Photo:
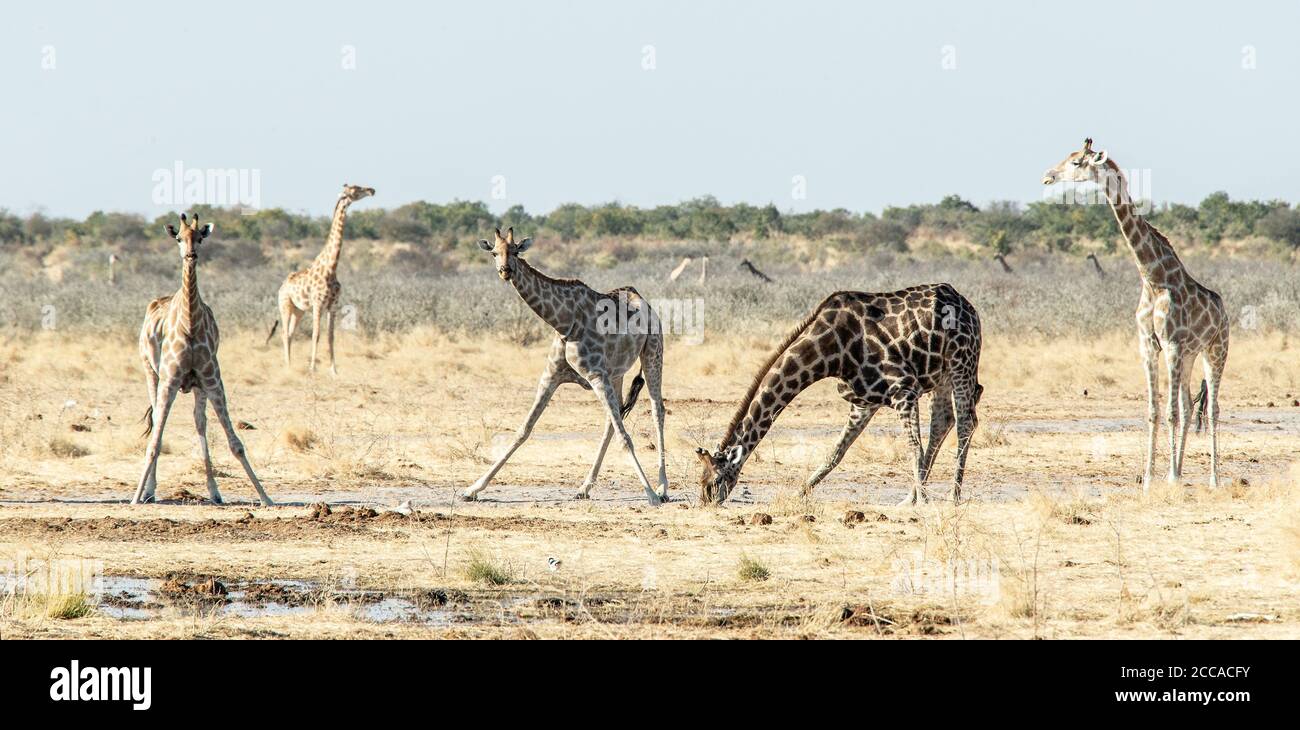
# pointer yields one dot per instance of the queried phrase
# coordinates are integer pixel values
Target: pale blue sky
(553, 96)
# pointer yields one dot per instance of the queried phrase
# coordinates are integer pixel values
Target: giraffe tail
(1199, 403)
(630, 401)
(148, 423)
(274, 327)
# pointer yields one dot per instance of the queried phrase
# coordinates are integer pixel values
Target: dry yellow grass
(1057, 541)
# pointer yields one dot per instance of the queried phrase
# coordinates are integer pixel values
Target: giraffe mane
(757, 382)
(551, 279)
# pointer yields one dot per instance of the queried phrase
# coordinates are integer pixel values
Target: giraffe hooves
(582, 494)
(467, 497)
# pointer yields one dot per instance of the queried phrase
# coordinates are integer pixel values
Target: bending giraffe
(886, 350)
(598, 338)
(178, 344)
(316, 288)
(1176, 315)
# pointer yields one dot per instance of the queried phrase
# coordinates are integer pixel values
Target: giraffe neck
(187, 299)
(785, 377)
(562, 304)
(1155, 258)
(328, 259)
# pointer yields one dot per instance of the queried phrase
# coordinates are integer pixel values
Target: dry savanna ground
(1056, 540)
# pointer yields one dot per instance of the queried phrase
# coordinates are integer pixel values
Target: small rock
(807, 518)
(1295, 402)
(245, 426)
(247, 518)
(319, 510)
(853, 517)
(79, 427)
(760, 518)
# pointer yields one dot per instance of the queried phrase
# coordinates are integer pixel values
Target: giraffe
(316, 288)
(1176, 315)
(178, 344)
(886, 349)
(598, 338)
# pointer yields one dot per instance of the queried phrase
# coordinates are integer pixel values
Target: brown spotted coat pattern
(885, 350)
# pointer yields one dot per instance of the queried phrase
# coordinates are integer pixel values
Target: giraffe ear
(207, 230)
(171, 230)
(735, 455)
(1100, 158)
(483, 244)
(524, 245)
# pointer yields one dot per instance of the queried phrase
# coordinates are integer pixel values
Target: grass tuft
(480, 568)
(750, 569)
(65, 449)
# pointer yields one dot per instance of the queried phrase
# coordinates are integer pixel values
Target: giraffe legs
(941, 421)
(1214, 359)
(201, 426)
(911, 417)
(330, 341)
(545, 389)
(166, 393)
(604, 388)
(652, 369)
(859, 417)
(964, 394)
(216, 392)
(1150, 349)
(1184, 412)
(289, 315)
(585, 490)
(1174, 392)
(315, 336)
(151, 382)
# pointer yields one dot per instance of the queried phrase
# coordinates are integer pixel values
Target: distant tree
(1281, 224)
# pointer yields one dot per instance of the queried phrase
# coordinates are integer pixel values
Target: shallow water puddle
(131, 598)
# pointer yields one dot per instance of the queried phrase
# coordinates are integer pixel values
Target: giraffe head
(1085, 165)
(505, 251)
(355, 192)
(189, 236)
(721, 470)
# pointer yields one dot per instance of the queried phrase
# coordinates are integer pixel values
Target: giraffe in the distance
(316, 288)
(1176, 315)
(886, 350)
(178, 344)
(598, 338)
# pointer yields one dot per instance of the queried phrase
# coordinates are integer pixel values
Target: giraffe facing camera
(178, 345)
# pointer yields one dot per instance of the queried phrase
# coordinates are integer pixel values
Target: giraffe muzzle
(504, 272)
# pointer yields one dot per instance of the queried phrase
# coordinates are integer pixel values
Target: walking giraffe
(1176, 315)
(178, 344)
(317, 287)
(598, 338)
(886, 350)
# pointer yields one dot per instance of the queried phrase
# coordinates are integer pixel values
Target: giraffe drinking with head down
(886, 350)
